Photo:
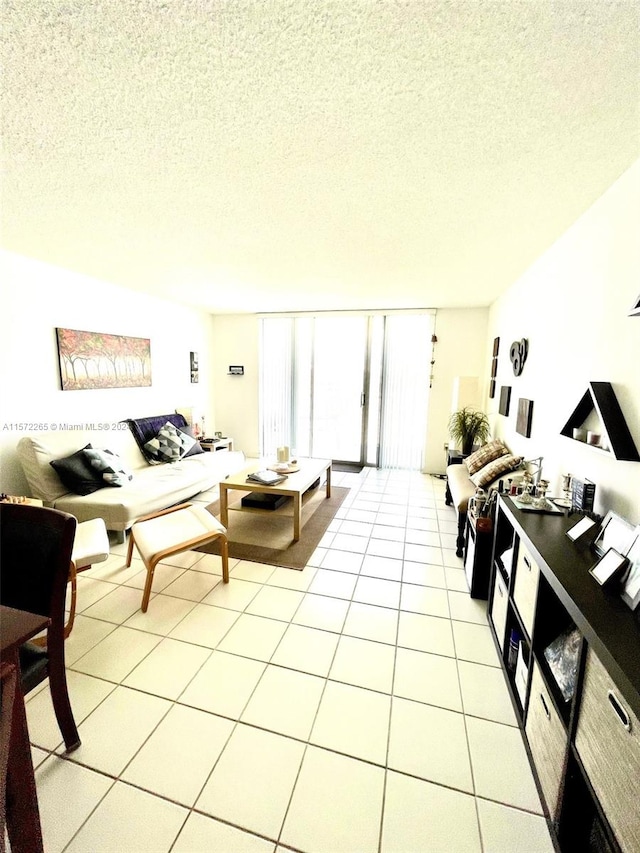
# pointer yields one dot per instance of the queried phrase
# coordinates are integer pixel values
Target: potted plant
(468, 427)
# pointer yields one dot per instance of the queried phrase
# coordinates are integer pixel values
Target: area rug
(265, 536)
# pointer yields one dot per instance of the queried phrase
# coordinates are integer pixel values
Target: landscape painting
(90, 360)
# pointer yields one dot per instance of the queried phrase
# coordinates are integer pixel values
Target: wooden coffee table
(294, 486)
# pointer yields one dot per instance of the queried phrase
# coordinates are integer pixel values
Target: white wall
(236, 341)
(572, 305)
(460, 351)
(37, 298)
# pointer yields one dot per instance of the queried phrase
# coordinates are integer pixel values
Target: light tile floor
(354, 707)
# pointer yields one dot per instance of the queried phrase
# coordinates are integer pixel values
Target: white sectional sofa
(152, 487)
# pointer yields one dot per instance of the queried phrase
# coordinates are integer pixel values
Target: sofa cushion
(485, 454)
(109, 466)
(170, 444)
(460, 487)
(154, 487)
(495, 469)
(77, 473)
(35, 457)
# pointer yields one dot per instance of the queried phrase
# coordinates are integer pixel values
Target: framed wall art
(525, 417)
(505, 400)
(193, 367)
(494, 367)
(93, 360)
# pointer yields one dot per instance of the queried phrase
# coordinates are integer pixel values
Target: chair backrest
(35, 554)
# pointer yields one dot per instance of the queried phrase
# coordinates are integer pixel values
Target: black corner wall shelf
(601, 398)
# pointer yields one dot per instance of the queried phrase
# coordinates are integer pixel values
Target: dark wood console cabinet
(583, 739)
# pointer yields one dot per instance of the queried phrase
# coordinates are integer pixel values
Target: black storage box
(263, 500)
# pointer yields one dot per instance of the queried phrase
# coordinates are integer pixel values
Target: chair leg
(130, 548)
(73, 577)
(61, 703)
(151, 567)
(224, 553)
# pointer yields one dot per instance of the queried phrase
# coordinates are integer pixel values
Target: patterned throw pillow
(495, 469)
(109, 465)
(170, 444)
(487, 453)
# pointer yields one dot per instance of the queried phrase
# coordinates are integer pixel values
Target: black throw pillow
(77, 474)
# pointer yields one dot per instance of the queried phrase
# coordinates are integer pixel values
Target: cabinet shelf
(551, 600)
(601, 398)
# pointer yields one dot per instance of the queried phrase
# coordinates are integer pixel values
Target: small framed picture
(193, 366)
(580, 529)
(505, 400)
(616, 532)
(524, 417)
(631, 579)
(609, 566)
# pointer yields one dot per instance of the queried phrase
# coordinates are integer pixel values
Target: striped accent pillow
(496, 469)
(487, 453)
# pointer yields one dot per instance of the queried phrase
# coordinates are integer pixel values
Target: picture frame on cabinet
(630, 590)
(615, 532)
(608, 567)
(582, 530)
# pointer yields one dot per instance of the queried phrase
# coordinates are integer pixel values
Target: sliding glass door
(339, 361)
(348, 387)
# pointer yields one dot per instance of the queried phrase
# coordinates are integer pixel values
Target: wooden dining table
(20, 808)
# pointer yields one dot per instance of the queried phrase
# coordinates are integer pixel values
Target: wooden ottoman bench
(171, 531)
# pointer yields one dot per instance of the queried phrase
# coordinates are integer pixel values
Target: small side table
(455, 457)
(213, 444)
(478, 545)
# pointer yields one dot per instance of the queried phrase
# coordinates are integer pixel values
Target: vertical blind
(276, 388)
(405, 390)
(397, 395)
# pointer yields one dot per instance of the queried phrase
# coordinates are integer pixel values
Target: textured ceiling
(309, 154)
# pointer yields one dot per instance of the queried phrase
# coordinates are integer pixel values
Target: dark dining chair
(35, 553)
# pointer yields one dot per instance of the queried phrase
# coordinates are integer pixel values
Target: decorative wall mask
(518, 355)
